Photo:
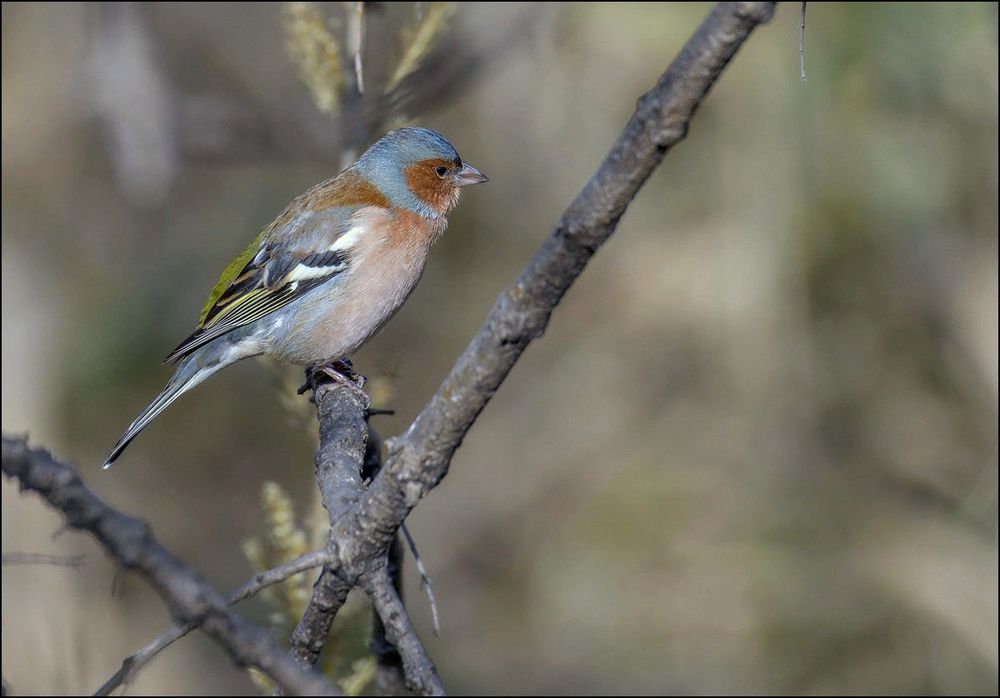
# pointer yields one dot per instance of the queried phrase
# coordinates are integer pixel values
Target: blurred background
(756, 450)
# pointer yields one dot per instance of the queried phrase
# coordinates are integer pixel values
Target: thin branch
(390, 679)
(276, 575)
(421, 674)
(802, 42)
(130, 542)
(134, 662)
(74, 561)
(329, 595)
(425, 578)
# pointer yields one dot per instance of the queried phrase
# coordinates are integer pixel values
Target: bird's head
(418, 169)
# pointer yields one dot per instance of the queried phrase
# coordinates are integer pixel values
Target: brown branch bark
(130, 542)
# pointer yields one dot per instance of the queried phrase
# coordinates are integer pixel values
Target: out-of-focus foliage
(756, 450)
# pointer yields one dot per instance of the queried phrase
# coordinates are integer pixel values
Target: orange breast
(386, 265)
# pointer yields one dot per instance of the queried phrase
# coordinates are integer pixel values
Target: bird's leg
(343, 369)
(340, 371)
(310, 383)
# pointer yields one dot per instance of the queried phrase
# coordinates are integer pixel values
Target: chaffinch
(331, 269)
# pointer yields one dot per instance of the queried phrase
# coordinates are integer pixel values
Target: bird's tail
(190, 372)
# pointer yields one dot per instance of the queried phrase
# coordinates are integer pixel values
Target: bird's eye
(441, 171)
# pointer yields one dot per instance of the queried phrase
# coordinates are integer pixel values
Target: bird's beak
(469, 175)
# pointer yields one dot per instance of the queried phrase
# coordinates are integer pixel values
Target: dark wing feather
(265, 285)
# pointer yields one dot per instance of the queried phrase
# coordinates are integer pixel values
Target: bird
(329, 271)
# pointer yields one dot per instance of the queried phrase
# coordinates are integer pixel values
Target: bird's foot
(340, 371)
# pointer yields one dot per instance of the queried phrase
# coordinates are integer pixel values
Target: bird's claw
(340, 371)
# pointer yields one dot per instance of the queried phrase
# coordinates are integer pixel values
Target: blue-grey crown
(385, 162)
(412, 144)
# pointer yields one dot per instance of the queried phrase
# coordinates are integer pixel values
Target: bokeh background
(756, 450)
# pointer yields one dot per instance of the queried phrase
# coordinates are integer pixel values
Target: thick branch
(347, 453)
(130, 542)
(419, 459)
(340, 461)
(343, 441)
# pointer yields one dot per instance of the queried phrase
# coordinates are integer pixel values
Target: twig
(802, 42)
(425, 579)
(74, 561)
(357, 44)
(136, 661)
(276, 575)
(133, 663)
(130, 542)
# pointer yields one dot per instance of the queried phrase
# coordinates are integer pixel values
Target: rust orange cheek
(424, 182)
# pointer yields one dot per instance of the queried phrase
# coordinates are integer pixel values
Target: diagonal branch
(418, 667)
(130, 542)
(419, 459)
(390, 679)
(329, 595)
